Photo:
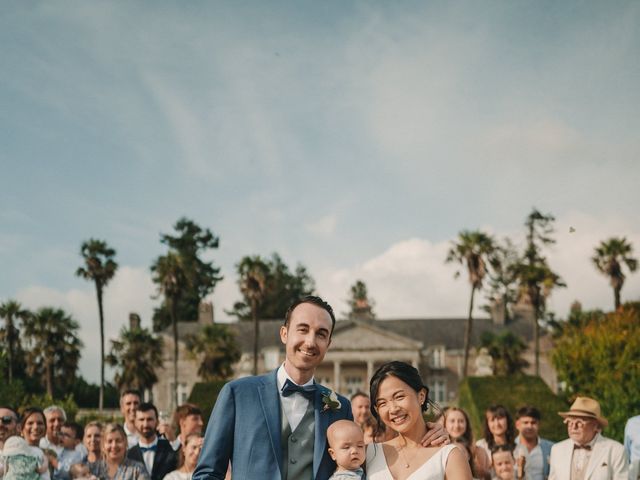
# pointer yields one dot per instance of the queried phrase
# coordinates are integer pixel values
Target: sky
(356, 138)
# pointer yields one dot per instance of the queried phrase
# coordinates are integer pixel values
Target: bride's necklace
(407, 463)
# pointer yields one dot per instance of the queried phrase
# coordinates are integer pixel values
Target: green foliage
(598, 355)
(282, 288)
(43, 401)
(136, 354)
(53, 348)
(514, 391)
(360, 305)
(506, 349)
(11, 393)
(608, 259)
(12, 312)
(87, 395)
(190, 243)
(204, 395)
(216, 349)
(502, 279)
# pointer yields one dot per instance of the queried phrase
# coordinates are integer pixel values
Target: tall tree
(172, 280)
(53, 347)
(360, 305)
(99, 267)
(252, 280)
(535, 277)
(282, 288)
(191, 242)
(12, 311)
(506, 349)
(502, 278)
(476, 250)
(136, 354)
(609, 258)
(216, 349)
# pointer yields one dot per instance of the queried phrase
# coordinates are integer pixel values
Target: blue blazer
(244, 428)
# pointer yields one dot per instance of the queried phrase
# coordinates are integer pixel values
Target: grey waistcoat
(297, 447)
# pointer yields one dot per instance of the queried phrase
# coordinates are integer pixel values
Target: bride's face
(399, 405)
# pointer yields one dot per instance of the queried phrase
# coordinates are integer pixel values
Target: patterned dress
(127, 470)
(21, 467)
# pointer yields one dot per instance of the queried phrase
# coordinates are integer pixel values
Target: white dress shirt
(294, 406)
(132, 437)
(149, 456)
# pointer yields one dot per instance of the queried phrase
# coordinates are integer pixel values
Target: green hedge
(205, 394)
(478, 393)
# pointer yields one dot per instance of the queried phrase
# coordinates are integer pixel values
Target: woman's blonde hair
(111, 428)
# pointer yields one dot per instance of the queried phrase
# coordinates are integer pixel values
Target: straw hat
(16, 446)
(585, 407)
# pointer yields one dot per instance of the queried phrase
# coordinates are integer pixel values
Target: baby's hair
(78, 470)
(341, 424)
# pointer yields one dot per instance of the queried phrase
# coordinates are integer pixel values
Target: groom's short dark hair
(317, 301)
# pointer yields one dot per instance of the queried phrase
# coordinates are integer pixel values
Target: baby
(504, 464)
(20, 462)
(80, 471)
(346, 447)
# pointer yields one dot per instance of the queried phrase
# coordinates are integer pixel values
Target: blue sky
(355, 137)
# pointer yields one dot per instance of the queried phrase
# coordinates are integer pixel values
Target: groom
(274, 426)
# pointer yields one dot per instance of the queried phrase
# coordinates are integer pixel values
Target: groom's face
(307, 337)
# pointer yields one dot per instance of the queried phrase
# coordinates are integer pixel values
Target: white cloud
(410, 279)
(324, 226)
(129, 291)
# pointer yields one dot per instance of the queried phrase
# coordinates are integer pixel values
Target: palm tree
(100, 267)
(216, 349)
(53, 347)
(172, 281)
(135, 354)
(11, 311)
(253, 274)
(476, 250)
(609, 257)
(506, 349)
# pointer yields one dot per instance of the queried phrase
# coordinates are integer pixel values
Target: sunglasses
(7, 419)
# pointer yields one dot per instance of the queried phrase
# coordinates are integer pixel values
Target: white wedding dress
(432, 469)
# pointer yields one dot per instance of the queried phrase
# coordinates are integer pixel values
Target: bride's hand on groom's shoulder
(436, 436)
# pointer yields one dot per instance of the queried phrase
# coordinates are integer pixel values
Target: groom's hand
(436, 436)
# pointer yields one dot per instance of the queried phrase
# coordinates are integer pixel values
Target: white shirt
(294, 406)
(149, 456)
(45, 444)
(132, 437)
(533, 465)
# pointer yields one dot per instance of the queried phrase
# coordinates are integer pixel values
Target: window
(352, 385)
(438, 357)
(183, 392)
(439, 391)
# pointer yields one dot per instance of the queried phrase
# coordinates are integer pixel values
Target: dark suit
(245, 428)
(165, 461)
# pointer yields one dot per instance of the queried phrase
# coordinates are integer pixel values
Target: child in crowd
(346, 447)
(19, 461)
(505, 465)
(71, 434)
(80, 471)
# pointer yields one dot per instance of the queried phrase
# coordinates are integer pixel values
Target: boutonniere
(330, 400)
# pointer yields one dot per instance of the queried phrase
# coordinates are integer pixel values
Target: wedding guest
(457, 424)
(81, 471)
(55, 417)
(19, 461)
(33, 428)
(188, 418)
(71, 434)
(8, 427)
(505, 465)
(156, 453)
(129, 401)
(92, 441)
(534, 449)
(632, 446)
(114, 465)
(188, 458)
(499, 429)
(360, 408)
(586, 454)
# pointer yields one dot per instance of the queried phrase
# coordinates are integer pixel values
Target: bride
(398, 401)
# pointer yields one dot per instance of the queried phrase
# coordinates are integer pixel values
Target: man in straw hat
(586, 454)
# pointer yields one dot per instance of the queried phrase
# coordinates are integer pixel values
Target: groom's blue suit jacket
(245, 428)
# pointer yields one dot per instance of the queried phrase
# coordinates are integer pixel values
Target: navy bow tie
(290, 388)
(152, 448)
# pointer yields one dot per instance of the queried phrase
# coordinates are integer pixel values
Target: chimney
(134, 321)
(205, 313)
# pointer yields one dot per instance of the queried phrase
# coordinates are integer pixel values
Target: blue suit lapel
(270, 401)
(322, 423)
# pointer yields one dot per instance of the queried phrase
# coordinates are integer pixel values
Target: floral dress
(21, 467)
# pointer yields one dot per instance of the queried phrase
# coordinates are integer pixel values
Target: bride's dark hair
(403, 371)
